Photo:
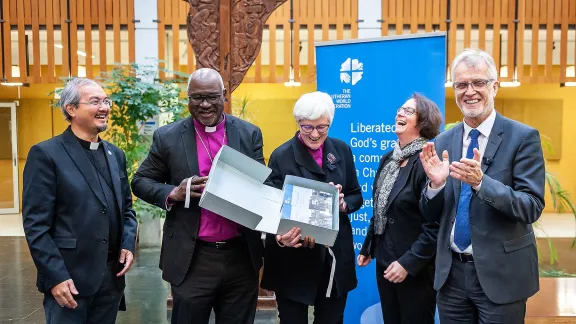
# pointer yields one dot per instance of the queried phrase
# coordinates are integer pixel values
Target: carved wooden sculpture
(226, 35)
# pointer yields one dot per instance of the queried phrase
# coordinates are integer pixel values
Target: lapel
(189, 140)
(77, 154)
(494, 141)
(233, 134)
(402, 179)
(330, 157)
(305, 159)
(456, 155)
(114, 174)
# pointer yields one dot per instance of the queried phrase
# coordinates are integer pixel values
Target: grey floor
(146, 292)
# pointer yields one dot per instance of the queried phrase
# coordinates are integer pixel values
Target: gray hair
(314, 105)
(472, 57)
(203, 73)
(71, 94)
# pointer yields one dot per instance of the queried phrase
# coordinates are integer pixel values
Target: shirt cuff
(431, 192)
(168, 204)
(477, 188)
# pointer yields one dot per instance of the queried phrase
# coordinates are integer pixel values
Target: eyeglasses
(307, 129)
(98, 103)
(476, 84)
(407, 110)
(211, 98)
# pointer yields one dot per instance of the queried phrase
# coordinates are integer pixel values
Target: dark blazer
(172, 158)
(295, 273)
(413, 236)
(510, 199)
(63, 206)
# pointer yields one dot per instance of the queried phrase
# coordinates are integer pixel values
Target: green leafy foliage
(554, 273)
(240, 108)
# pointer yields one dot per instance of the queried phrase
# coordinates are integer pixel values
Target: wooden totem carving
(226, 35)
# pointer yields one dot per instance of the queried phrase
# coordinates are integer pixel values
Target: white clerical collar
(94, 146)
(212, 129)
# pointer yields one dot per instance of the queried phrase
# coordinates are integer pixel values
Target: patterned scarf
(388, 177)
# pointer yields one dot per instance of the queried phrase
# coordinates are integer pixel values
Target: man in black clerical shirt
(77, 213)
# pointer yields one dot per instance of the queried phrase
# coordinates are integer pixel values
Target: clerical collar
(90, 145)
(210, 129)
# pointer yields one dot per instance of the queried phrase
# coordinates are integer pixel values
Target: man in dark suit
(210, 261)
(486, 191)
(77, 213)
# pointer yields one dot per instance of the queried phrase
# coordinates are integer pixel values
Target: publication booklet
(309, 206)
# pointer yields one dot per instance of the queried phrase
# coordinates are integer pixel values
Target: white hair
(205, 72)
(472, 57)
(314, 105)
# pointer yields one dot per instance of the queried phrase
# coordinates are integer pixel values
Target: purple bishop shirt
(213, 227)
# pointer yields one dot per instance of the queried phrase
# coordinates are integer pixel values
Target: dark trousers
(413, 301)
(100, 308)
(222, 279)
(326, 310)
(462, 300)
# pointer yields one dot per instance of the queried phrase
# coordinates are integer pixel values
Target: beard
(102, 128)
(486, 110)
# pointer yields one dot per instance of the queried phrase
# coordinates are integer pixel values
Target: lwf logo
(351, 69)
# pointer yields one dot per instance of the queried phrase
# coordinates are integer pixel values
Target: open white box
(235, 189)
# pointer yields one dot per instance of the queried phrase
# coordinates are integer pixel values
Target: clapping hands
(466, 170)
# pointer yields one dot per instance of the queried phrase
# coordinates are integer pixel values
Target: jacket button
(391, 221)
(104, 240)
(104, 211)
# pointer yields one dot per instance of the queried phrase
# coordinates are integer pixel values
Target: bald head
(206, 95)
(206, 75)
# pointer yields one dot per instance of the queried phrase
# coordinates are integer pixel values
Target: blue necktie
(462, 229)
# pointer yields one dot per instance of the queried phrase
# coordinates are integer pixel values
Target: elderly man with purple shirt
(211, 262)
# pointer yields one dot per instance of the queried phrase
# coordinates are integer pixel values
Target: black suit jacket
(295, 273)
(510, 199)
(64, 213)
(172, 158)
(413, 236)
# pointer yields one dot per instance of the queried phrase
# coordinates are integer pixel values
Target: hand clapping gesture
(436, 169)
(466, 170)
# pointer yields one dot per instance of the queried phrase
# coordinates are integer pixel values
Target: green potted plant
(137, 101)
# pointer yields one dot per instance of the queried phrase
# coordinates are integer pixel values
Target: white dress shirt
(484, 128)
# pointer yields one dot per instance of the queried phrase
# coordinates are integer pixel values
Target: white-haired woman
(296, 269)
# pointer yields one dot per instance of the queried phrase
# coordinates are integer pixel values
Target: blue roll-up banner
(369, 79)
